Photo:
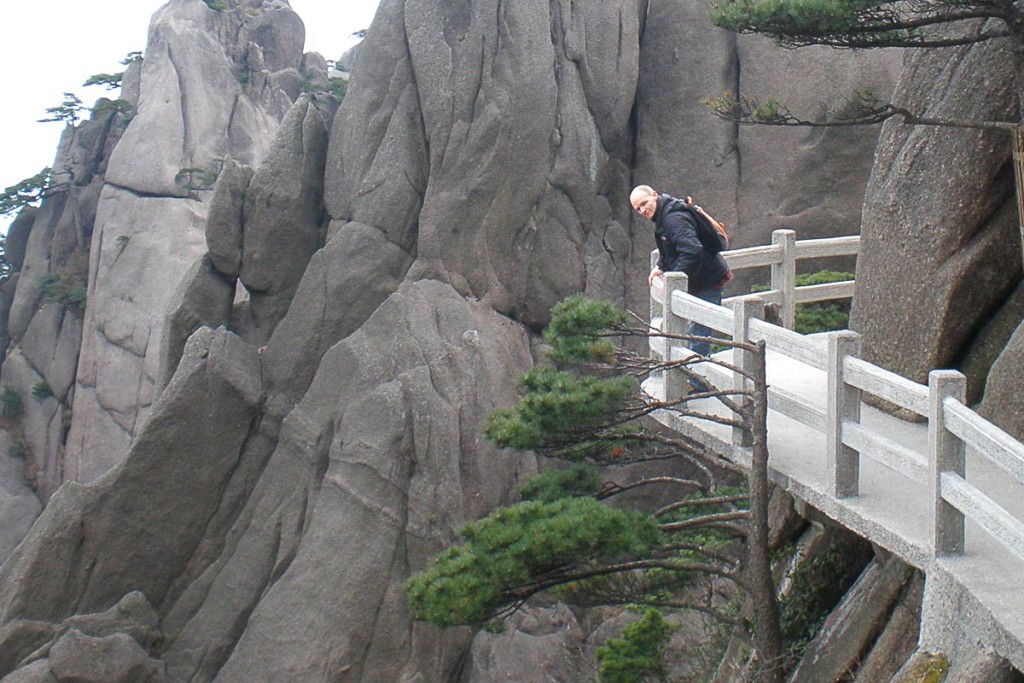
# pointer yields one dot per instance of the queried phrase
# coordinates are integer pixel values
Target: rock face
(44, 323)
(285, 370)
(1002, 392)
(95, 544)
(941, 255)
(539, 645)
(209, 90)
(19, 505)
(754, 178)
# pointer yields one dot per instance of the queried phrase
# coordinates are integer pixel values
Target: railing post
(655, 306)
(784, 275)
(675, 383)
(744, 310)
(945, 454)
(842, 465)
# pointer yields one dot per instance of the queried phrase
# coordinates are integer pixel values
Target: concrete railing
(951, 424)
(782, 256)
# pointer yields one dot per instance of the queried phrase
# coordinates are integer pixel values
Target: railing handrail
(951, 423)
(782, 255)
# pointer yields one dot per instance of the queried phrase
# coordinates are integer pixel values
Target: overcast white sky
(48, 48)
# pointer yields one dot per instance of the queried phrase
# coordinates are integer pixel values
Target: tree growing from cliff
(26, 193)
(108, 81)
(565, 538)
(867, 24)
(67, 111)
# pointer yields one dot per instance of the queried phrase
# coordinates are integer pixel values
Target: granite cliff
(269, 412)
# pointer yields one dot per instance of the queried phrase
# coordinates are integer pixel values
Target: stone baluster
(675, 382)
(784, 276)
(744, 310)
(842, 465)
(945, 454)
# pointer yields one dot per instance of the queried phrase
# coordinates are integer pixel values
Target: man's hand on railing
(655, 272)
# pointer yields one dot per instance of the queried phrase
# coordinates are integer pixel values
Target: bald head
(644, 200)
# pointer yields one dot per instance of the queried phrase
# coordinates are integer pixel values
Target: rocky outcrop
(19, 505)
(129, 531)
(844, 642)
(43, 324)
(538, 645)
(282, 216)
(755, 178)
(1002, 402)
(284, 374)
(940, 253)
(209, 89)
(114, 645)
(375, 467)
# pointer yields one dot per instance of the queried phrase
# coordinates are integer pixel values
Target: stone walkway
(893, 511)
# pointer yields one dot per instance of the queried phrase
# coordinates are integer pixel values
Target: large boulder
(37, 672)
(112, 659)
(142, 248)
(138, 528)
(543, 644)
(206, 92)
(374, 469)
(110, 646)
(940, 247)
(379, 129)
(282, 215)
(224, 220)
(810, 180)
(511, 155)
(197, 99)
(1002, 402)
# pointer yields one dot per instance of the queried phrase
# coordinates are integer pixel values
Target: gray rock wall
(375, 282)
(754, 178)
(19, 505)
(209, 90)
(44, 322)
(941, 253)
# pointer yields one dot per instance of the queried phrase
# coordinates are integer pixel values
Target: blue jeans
(714, 296)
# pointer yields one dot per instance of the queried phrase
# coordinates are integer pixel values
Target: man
(681, 251)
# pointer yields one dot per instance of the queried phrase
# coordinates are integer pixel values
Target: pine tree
(67, 111)
(868, 24)
(564, 538)
(26, 193)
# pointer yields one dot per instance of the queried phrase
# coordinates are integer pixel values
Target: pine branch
(706, 520)
(723, 557)
(612, 489)
(693, 502)
(519, 595)
(868, 111)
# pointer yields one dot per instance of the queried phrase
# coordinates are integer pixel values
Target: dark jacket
(676, 235)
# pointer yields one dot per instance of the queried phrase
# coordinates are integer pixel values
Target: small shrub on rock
(10, 402)
(636, 656)
(42, 391)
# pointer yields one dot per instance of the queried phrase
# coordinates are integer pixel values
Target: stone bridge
(926, 479)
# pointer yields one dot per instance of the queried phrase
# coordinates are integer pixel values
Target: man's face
(646, 206)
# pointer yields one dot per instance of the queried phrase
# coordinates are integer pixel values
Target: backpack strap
(717, 225)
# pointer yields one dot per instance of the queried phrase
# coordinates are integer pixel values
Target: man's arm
(681, 231)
